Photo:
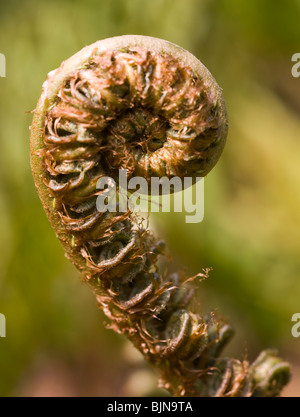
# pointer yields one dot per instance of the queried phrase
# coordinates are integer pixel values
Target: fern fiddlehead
(147, 106)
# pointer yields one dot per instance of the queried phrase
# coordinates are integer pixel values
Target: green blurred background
(57, 343)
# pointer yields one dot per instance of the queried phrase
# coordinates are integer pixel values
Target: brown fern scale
(147, 111)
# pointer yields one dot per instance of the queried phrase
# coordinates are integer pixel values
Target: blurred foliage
(250, 233)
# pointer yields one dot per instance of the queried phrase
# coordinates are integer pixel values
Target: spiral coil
(130, 104)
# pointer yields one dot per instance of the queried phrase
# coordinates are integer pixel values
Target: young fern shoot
(151, 108)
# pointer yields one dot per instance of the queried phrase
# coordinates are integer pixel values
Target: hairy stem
(149, 107)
